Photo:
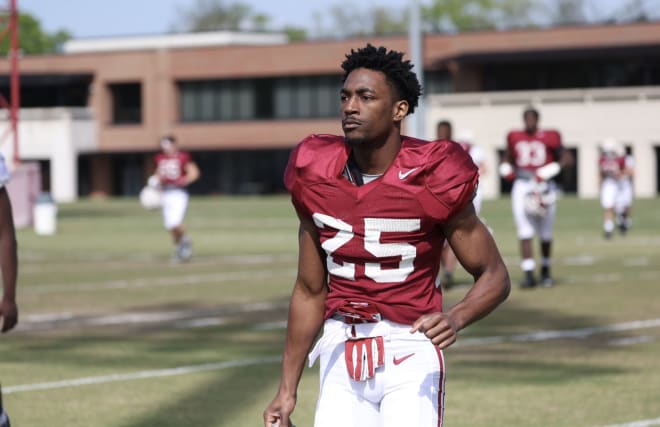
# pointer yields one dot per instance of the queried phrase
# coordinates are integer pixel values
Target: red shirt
(171, 169)
(530, 152)
(611, 167)
(382, 239)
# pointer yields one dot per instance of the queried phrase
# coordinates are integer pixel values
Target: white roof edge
(172, 41)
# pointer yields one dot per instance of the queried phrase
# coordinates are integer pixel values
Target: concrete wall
(57, 135)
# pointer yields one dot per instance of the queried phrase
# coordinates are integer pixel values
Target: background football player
(375, 208)
(624, 201)
(465, 139)
(532, 159)
(610, 165)
(175, 170)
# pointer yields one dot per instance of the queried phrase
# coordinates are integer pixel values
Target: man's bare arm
(8, 264)
(475, 249)
(306, 313)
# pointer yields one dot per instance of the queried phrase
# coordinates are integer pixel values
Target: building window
(437, 82)
(126, 103)
(259, 99)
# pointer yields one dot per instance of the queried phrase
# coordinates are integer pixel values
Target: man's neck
(375, 160)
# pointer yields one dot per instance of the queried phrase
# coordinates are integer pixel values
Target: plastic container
(45, 215)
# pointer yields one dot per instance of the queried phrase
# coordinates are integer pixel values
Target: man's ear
(400, 110)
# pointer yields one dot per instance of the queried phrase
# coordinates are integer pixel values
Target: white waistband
(336, 331)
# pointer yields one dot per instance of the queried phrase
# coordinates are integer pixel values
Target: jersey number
(373, 227)
(530, 153)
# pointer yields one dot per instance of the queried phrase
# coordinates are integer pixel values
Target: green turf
(112, 258)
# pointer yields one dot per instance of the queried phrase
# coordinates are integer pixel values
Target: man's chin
(352, 140)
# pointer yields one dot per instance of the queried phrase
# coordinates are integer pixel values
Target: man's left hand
(440, 328)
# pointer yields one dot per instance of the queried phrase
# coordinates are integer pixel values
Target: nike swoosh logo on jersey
(402, 359)
(404, 175)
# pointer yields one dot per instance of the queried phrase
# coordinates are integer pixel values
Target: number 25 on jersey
(373, 228)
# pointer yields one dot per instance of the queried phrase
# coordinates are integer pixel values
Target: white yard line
(157, 373)
(641, 423)
(140, 261)
(183, 318)
(532, 337)
(581, 333)
(163, 281)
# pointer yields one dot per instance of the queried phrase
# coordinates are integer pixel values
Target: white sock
(528, 264)
(608, 226)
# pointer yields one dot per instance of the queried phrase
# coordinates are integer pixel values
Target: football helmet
(151, 197)
(539, 199)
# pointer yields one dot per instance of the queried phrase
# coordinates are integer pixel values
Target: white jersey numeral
(344, 234)
(530, 153)
(373, 228)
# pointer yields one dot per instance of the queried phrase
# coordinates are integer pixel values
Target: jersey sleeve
(292, 178)
(185, 158)
(4, 172)
(451, 184)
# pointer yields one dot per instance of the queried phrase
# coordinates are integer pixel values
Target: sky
(107, 18)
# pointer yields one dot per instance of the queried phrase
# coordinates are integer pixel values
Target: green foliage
(469, 15)
(33, 39)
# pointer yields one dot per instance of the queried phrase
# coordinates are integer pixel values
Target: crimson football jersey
(382, 239)
(611, 166)
(530, 152)
(172, 168)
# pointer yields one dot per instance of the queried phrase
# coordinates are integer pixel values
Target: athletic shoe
(546, 279)
(529, 281)
(184, 249)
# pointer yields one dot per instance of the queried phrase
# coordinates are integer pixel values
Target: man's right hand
(278, 413)
(8, 314)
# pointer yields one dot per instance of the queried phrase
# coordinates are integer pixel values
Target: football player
(375, 208)
(532, 159)
(624, 200)
(175, 170)
(465, 139)
(8, 265)
(611, 165)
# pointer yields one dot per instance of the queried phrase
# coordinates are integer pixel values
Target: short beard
(354, 141)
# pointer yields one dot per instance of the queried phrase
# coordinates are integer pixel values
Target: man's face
(168, 146)
(368, 107)
(531, 121)
(444, 132)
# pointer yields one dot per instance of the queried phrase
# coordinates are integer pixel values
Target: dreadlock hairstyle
(390, 63)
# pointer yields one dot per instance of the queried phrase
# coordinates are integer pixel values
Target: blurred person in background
(175, 171)
(375, 208)
(624, 200)
(611, 166)
(465, 139)
(8, 265)
(532, 159)
(443, 130)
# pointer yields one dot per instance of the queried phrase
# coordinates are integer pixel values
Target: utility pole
(417, 120)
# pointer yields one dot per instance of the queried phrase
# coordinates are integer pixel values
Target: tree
(347, 20)
(32, 38)
(469, 15)
(215, 15)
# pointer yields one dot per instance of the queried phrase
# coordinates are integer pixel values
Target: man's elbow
(504, 283)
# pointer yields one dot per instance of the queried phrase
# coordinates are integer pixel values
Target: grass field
(113, 334)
